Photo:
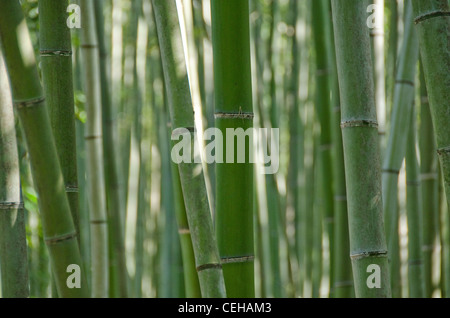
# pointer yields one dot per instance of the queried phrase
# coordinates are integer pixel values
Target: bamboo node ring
(391, 171)
(231, 115)
(404, 81)
(60, 238)
(361, 255)
(430, 15)
(359, 123)
(11, 205)
(208, 266)
(56, 52)
(237, 259)
(182, 231)
(444, 151)
(71, 189)
(29, 102)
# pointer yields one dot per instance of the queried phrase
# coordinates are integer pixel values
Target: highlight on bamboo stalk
(224, 149)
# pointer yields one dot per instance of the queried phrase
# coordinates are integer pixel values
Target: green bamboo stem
(414, 214)
(56, 63)
(362, 156)
(445, 247)
(321, 33)
(271, 48)
(191, 282)
(58, 226)
(432, 19)
(234, 181)
(391, 59)
(13, 243)
(310, 181)
(429, 180)
(85, 233)
(208, 263)
(94, 153)
(295, 194)
(114, 193)
(397, 141)
(342, 286)
(269, 276)
(318, 221)
(192, 287)
(168, 259)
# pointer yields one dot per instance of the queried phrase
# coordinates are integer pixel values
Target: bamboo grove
(224, 148)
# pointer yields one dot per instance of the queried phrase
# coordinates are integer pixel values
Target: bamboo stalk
(342, 286)
(113, 183)
(362, 156)
(191, 282)
(414, 214)
(58, 226)
(234, 109)
(397, 141)
(432, 21)
(429, 180)
(94, 153)
(13, 244)
(207, 258)
(56, 63)
(321, 33)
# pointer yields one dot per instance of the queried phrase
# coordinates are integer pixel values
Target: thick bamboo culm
(432, 19)
(362, 157)
(13, 244)
(94, 153)
(28, 98)
(207, 258)
(234, 109)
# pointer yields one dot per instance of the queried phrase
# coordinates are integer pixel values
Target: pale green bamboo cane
(207, 258)
(191, 283)
(114, 187)
(94, 153)
(362, 156)
(397, 141)
(414, 214)
(321, 33)
(343, 281)
(13, 243)
(58, 226)
(429, 179)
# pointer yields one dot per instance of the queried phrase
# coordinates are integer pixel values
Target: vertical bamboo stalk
(414, 214)
(58, 227)
(94, 153)
(432, 19)
(56, 63)
(234, 109)
(343, 281)
(362, 156)
(429, 179)
(207, 258)
(112, 178)
(397, 141)
(321, 33)
(13, 244)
